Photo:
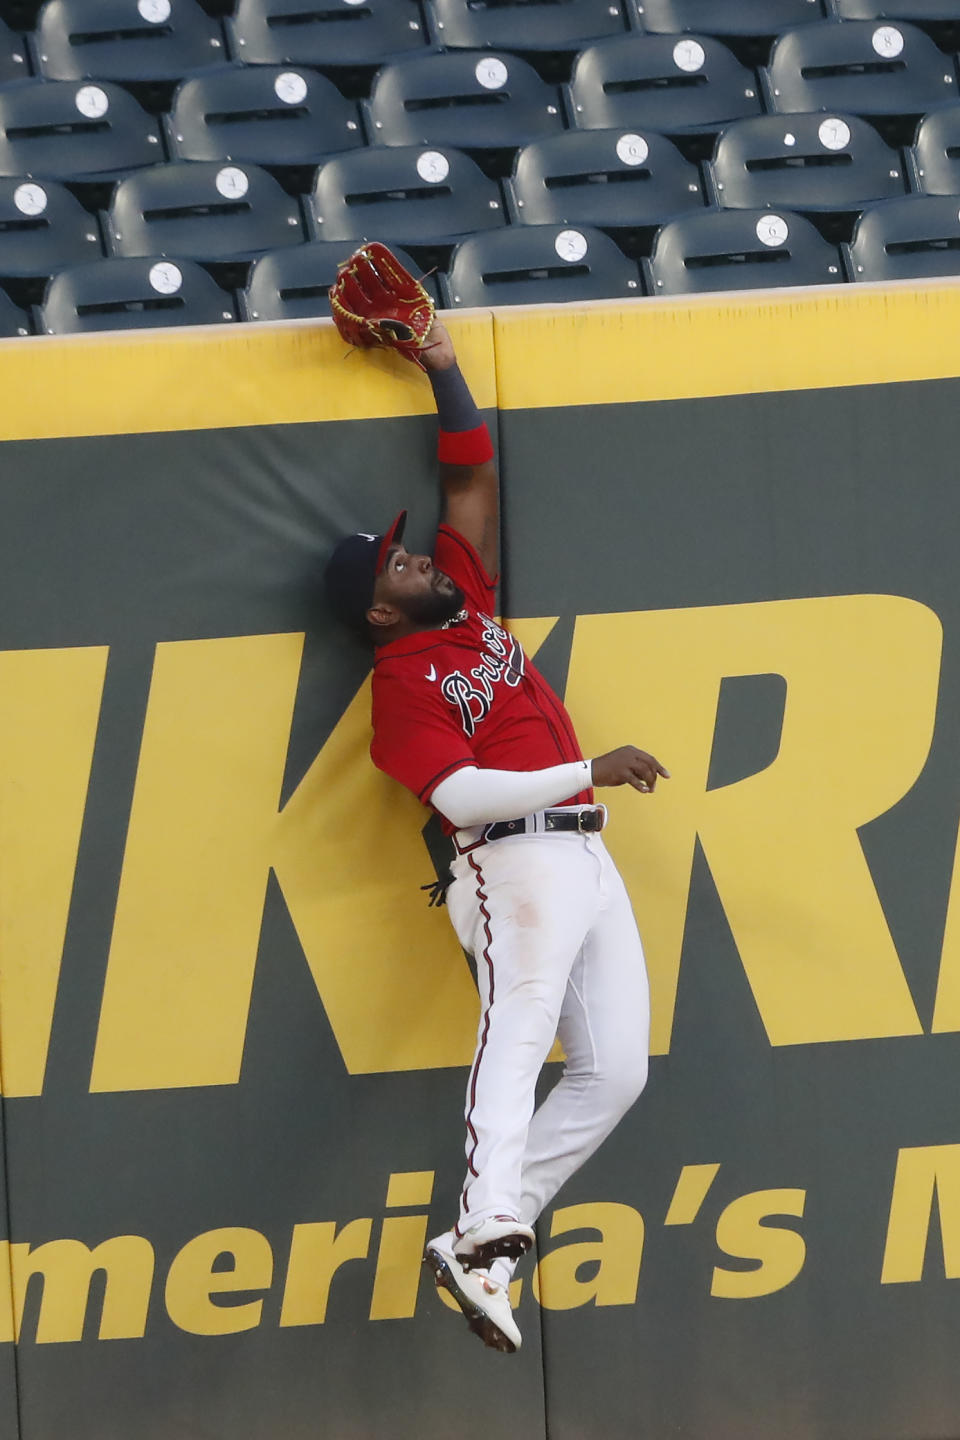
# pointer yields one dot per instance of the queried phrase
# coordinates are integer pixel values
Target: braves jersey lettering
(464, 695)
(473, 701)
(507, 647)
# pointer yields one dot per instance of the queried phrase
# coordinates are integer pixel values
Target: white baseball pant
(549, 922)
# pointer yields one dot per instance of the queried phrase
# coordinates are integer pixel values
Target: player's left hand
(628, 766)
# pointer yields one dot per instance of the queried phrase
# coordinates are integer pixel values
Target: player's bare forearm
(471, 492)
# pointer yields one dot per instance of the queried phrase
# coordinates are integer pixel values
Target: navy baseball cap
(352, 571)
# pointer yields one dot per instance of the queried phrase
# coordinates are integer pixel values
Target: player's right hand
(628, 766)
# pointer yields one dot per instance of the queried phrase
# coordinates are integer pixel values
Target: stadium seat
(266, 114)
(486, 102)
(534, 264)
(860, 66)
(723, 17)
(804, 162)
(411, 195)
(42, 228)
(911, 238)
(130, 295)
(935, 156)
(294, 284)
(660, 82)
(13, 56)
(739, 250)
(324, 32)
(522, 24)
(916, 11)
(67, 131)
(124, 39)
(201, 211)
(13, 320)
(614, 179)
(940, 18)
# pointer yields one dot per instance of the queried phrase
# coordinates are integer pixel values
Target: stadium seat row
(627, 182)
(367, 31)
(701, 252)
(294, 120)
(489, 105)
(440, 136)
(358, 32)
(868, 66)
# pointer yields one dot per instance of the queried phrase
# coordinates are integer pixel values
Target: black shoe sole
(478, 1320)
(507, 1247)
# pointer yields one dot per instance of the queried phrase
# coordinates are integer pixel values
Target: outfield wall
(233, 1037)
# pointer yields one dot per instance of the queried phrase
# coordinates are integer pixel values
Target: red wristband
(465, 447)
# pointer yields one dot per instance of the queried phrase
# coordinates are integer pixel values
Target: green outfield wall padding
(234, 1036)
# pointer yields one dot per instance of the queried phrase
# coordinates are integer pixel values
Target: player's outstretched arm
(472, 796)
(468, 474)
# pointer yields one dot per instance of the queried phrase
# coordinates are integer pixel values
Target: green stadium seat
(265, 114)
(863, 67)
(324, 32)
(916, 11)
(617, 180)
(724, 17)
(132, 294)
(809, 163)
(667, 83)
(201, 211)
(915, 237)
(939, 18)
(739, 250)
(124, 39)
(43, 228)
(485, 102)
(69, 130)
(413, 195)
(935, 155)
(538, 264)
(294, 284)
(522, 25)
(13, 320)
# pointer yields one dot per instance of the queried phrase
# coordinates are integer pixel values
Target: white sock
(502, 1270)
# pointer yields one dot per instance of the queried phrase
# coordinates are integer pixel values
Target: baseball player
(462, 718)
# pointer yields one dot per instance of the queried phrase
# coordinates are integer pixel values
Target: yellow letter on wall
(740, 1232)
(317, 1251)
(195, 868)
(862, 673)
(67, 1267)
(192, 1281)
(922, 1172)
(49, 707)
(204, 831)
(617, 1256)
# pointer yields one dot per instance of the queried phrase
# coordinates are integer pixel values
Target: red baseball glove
(375, 301)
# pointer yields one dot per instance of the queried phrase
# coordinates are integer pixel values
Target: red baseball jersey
(465, 695)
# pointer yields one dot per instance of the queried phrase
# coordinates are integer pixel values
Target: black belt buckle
(588, 821)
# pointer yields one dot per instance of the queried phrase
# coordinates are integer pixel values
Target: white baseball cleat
(485, 1303)
(498, 1235)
